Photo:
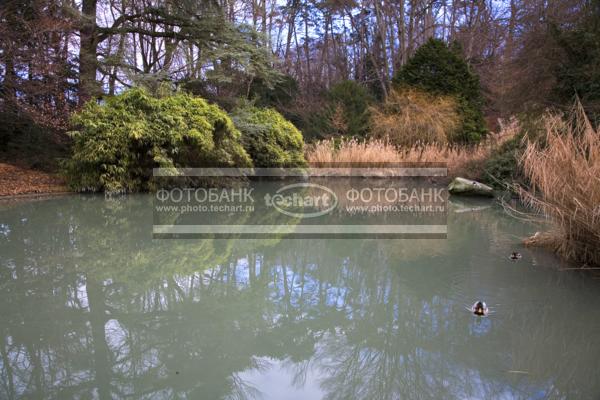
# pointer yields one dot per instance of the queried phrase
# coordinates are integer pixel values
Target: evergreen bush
(117, 144)
(270, 139)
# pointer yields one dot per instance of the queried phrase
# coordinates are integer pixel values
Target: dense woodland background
(290, 54)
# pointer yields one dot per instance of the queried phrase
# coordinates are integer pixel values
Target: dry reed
(461, 160)
(564, 173)
(352, 151)
(409, 116)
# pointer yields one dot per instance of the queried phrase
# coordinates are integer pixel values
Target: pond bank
(17, 181)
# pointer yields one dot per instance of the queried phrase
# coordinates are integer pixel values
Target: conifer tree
(440, 69)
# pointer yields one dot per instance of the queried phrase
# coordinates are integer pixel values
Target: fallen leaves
(16, 181)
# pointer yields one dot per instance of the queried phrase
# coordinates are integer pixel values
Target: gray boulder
(467, 187)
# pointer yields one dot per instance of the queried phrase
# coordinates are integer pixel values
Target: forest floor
(15, 181)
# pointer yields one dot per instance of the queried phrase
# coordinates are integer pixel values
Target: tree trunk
(88, 87)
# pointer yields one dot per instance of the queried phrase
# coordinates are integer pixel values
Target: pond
(92, 307)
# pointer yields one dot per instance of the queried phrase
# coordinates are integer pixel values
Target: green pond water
(92, 307)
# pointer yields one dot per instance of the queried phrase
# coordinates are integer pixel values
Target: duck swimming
(480, 308)
(515, 256)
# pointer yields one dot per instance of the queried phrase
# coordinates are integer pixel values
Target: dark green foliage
(578, 70)
(342, 111)
(503, 165)
(280, 94)
(24, 141)
(225, 96)
(270, 139)
(440, 69)
(437, 67)
(473, 127)
(354, 100)
(227, 100)
(310, 119)
(244, 60)
(117, 144)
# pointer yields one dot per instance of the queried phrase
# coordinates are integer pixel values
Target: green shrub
(440, 69)
(271, 140)
(117, 143)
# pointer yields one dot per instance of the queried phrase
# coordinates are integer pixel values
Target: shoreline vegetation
(563, 171)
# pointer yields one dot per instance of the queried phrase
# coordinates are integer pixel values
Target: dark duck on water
(515, 256)
(480, 308)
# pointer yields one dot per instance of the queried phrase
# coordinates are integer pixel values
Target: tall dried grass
(351, 151)
(564, 173)
(409, 116)
(461, 160)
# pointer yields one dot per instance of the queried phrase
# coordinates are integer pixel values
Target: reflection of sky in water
(285, 380)
(278, 380)
(4, 229)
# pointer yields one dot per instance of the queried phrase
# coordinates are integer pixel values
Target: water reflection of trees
(92, 307)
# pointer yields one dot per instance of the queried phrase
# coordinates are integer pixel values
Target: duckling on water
(515, 256)
(480, 308)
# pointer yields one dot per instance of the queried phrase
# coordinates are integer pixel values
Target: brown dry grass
(564, 172)
(410, 116)
(461, 160)
(326, 152)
